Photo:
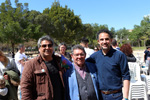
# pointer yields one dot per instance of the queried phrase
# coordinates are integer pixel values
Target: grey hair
(46, 37)
(78, 47)
(20, 46)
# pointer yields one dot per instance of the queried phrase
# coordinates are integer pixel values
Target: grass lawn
(138, 48)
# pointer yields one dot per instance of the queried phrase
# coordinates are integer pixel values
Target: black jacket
(131, 58)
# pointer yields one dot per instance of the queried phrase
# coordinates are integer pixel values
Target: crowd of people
(93, 74)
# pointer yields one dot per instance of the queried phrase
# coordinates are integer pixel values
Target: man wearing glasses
(81, 80)
(42, 76)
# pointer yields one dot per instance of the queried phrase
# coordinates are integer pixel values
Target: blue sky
(114, 13)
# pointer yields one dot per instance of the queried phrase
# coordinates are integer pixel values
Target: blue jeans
(114, 96)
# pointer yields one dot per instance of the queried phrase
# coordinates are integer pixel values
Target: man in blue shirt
(112, 69)
(115, 44)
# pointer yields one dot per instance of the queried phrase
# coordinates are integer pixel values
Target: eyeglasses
(47, 45)
(77, 55)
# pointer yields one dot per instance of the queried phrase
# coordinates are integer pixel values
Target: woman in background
(62, 50)
(11, 80)
(4, 62)
(7, 64)
(127, 50)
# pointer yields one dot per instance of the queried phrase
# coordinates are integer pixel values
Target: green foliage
(113, 32)
(17, 25)
(87, 31)
(33, 29)
(65, 26)
(139, 48)
(122, 35)
(141, 34)
(10, 25)
(99, 27)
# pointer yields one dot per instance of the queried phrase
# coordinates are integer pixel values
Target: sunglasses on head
(45, 45)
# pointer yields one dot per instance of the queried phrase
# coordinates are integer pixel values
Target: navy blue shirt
(112, 69)
(147, 54)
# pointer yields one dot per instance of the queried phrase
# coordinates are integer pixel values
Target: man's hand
(6, 77)
(22, 62)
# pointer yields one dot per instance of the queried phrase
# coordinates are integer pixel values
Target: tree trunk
(144, 43)
(139, 43)
(13, 49)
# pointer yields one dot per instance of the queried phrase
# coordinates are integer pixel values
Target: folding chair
(137, 87)
(135, 71)
(147, 81)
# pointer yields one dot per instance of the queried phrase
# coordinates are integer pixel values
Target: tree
(145, 29)
(135, 35)
(17, 24)
(112, 30)
(46, 26)
(87, 31)
(122, 34)
(11, 29)
(67, 26)
(33, 27)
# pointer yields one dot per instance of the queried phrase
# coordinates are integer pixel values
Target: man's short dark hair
(105, 31)
(20, 46)
(148, 47)
(84, 40)
(114, 42)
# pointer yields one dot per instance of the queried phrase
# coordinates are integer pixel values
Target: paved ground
(139, 54)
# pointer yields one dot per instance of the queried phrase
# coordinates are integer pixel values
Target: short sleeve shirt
(19, 56)
(147, 54)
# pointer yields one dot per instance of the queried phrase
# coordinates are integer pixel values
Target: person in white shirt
(84, 43)
(20, 57)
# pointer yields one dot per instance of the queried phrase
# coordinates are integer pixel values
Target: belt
(110, 92)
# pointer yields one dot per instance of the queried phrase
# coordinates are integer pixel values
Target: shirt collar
(80, 68)
(110, 52)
